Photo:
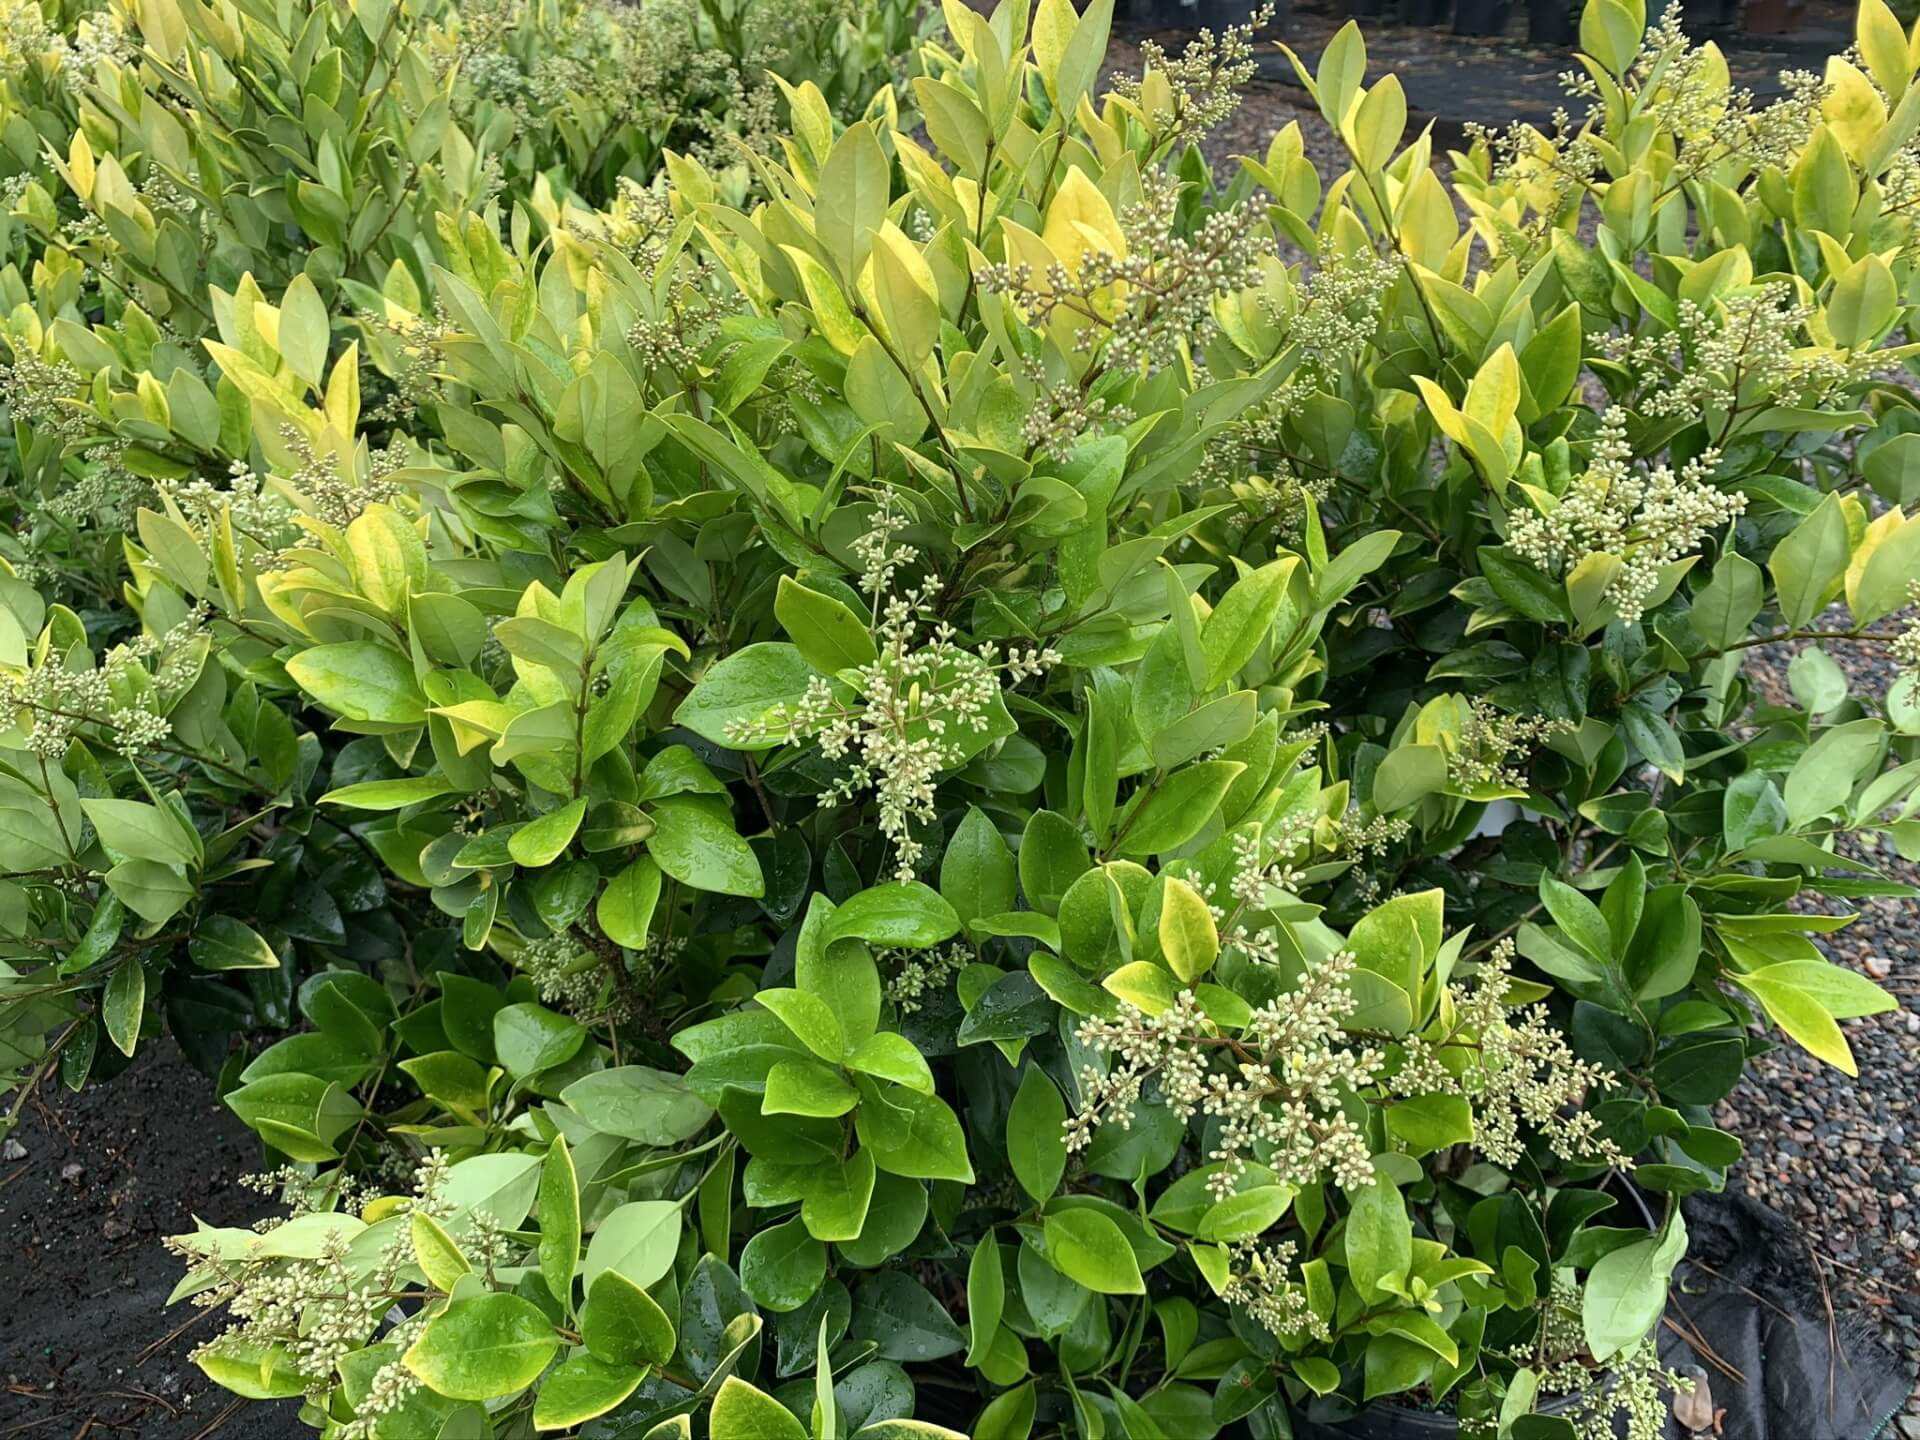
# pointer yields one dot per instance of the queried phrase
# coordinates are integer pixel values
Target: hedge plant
(971, 780)
(162, 161)
(342, 139)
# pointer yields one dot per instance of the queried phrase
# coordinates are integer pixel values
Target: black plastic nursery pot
(1551, 22)
(1214, 15)
(1379, 1422)
(1704, 17)
(1481, 17)
(1387, 1421)
(1773, 17)
(1424, 12)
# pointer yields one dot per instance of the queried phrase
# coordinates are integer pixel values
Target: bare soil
(88, 1350)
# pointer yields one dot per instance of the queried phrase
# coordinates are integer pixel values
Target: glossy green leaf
(1087, 1247)
(482, 1347)
(637, 1239)
(698, 846)
(559, 1212)
(741, 1412)
(621, 1324)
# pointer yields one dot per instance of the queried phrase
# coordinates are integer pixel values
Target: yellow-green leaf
(1188, 937)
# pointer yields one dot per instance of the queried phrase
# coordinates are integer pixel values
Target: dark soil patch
(87, 1348)
(1492, 80)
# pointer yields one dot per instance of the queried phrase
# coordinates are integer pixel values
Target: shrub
(312, 154)
(170, 164)
(988, 742)
(597, 91)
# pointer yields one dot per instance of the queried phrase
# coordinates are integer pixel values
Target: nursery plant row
(831, 746)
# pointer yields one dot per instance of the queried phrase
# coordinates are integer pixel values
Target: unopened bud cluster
(124, 699)
(1281, 1086)
(1738, 354)
(1491, 746)
(917, 703)
(1644, 521)
(1906, 645)
(1277, 1089)
(316, 1312)
(914, 975)
(1203, 86)
(1146, 309)
(1524, 1076)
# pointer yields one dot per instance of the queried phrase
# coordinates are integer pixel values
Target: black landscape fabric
(1748, 1295)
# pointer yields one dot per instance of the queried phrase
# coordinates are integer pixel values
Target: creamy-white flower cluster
(1260, 1281)
(1064, 415)
(330, 487)
(917, 701)
(1338, 311)
(609, 66)
(45, 393)
(318, 1311)
(1675, 87)
(690, 301)
(1523, 1073)
(414, 348)
(1643, 519)
(1277, 1088)
(1492, 745)
(1630, 1399)
(1906, 645)
(252, 507)
(125, 697)
(1275, 857)
(1154, 305)
(28, 44)
(1204, 85)
(569, 975)
(1627, 1400)
(1327, 325)
(1735, 355)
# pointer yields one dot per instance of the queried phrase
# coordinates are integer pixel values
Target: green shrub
(962, 736)
(599, 91)
(154, 395)
(178, 168)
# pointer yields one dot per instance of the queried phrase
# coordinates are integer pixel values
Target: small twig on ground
(1698, 1344)
(1750, 1294)
(233, 1409)
(1833, 1328)
(1861, 1275)
(172, 1335)
(144, 1397)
